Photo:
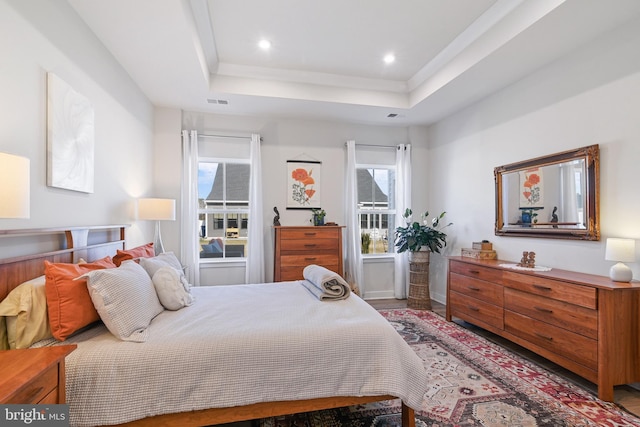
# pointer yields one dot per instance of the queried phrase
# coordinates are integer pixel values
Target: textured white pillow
(172, 288)
(166, 259)
(125, 299)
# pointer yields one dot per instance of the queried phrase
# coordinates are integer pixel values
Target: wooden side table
(33, 376)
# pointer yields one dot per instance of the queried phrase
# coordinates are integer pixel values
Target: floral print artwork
(531, 189)
(303, 185)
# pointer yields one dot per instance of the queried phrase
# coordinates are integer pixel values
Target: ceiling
(325, 61)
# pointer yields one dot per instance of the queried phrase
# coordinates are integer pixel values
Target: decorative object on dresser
(413, 238)
(157, 210)
(571, 196)
(480, 250)
(585, 323)
(621, 251)
(14, 186)
(33, 376)
(297, 247)
(528, 260)
(318, 216)
(276, 219)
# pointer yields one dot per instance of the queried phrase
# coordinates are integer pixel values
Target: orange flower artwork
(303, 184)
(531, 189)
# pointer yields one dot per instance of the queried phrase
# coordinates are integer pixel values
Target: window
(223, 207)
(376, 208)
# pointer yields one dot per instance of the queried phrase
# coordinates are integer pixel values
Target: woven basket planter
(419, 297)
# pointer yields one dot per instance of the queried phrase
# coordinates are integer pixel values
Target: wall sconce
(157, 210)
(621, 251)
(14, 186)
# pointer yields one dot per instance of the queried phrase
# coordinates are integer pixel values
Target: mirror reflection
(552, 196)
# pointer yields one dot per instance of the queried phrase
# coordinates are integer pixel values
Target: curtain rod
(374, 145)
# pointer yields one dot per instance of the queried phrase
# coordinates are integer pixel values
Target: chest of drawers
(33, 376)
(585, 323)
(297, 247)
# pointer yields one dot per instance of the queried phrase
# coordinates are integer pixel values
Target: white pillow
(165, 259)
(172, 288)
(125, 299)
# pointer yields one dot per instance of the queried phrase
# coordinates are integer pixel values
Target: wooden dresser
(33, 376)
(297, 247)
(585, 323)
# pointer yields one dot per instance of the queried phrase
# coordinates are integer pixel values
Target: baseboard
(379, 295)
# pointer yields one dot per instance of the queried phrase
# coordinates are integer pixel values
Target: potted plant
(318, 216)
(416, 236)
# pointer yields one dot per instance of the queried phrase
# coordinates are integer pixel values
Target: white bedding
(238, 345)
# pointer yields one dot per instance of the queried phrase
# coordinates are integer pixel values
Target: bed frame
(95, 242)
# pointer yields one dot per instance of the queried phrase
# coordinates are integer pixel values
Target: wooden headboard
(89, 243)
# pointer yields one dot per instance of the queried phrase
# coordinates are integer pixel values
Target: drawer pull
(310, 234)
(473, 288)
(310, 245)
(542, 288)
(548, 338)
(474, 308)
(474, 271)
(310, 259)
(544, 310)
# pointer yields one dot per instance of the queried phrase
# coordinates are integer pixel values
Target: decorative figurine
(528, 260)
(554, 216)
(276, 219)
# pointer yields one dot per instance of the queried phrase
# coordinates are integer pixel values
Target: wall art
(303, 184)
(70, 137)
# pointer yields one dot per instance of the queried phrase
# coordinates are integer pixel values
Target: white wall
(40, 36)
(589, 97)
(289, 139)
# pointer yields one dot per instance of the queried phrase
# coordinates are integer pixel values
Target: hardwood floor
(626, 396)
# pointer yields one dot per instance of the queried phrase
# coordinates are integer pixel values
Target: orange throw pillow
(144, 251)
(69, 304)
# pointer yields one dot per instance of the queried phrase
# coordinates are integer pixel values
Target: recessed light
(264, 44)
(389, 58)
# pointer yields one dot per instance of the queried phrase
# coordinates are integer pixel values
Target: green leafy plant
(366, 241)
(415, 235)
(318, 216)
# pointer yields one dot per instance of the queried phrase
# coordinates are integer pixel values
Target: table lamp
(157, 210)
(621, 251)
(14, 186)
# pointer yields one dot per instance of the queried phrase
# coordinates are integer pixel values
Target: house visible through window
(376, 210)
(223, 210)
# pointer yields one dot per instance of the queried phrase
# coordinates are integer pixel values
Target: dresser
(585, 323)
(297, 247)
(33, 376)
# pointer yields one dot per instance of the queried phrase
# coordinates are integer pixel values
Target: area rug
(474, 382)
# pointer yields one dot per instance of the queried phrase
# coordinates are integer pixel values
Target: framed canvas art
(303, 184)
(70, 137)
(531, 188)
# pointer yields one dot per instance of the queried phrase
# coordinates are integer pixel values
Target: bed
(276, 349)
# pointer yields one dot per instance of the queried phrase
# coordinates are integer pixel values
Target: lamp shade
(14, 186)
(622, 250)
(157, 209)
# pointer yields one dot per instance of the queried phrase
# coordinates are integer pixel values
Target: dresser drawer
(304, 260)
(36, 390)
(295, 272)
(476, 271)
(581, 320)
(562, 291)
(310, 233)
(485, 291)
(468, 308)
(309, 245)
(567, 344)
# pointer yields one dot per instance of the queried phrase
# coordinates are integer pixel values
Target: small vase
(318, 220)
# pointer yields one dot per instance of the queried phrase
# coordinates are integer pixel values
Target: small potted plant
(416, 236)
(318, 216)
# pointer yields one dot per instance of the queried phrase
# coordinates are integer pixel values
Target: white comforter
(238, 345)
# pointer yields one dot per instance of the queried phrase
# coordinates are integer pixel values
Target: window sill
(222, 262)
(378, 258)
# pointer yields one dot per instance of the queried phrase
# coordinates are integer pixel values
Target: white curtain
(254, 272)
(568, 209)
(403, 201)
(353, 261)
(189, 242)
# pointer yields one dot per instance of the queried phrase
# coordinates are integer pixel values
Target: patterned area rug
(473, 383)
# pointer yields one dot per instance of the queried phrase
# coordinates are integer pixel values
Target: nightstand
(34, 375)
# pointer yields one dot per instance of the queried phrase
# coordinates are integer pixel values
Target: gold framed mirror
(555, 196)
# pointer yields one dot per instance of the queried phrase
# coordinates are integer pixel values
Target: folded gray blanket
(324, 283)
